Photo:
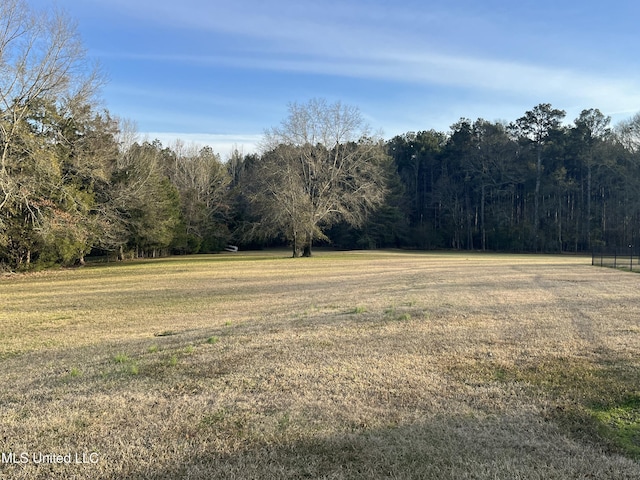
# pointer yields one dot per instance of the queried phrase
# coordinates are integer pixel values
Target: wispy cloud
(399, 43)
(472, 54)
(494, 75)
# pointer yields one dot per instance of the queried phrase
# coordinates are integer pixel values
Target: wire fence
(627, 258)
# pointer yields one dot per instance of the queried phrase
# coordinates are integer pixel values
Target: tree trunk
(306, 251)
(536, 200)
(589, 205)
(483, 229)
(560, 222)
(296, 246)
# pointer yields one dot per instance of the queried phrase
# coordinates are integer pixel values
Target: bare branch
(320, 166)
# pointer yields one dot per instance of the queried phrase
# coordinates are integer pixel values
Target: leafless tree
(320, 166)
(629, 133)
(42, 61)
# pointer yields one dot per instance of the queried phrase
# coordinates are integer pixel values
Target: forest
(76, 182)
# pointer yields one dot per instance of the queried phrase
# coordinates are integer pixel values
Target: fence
(627, 258)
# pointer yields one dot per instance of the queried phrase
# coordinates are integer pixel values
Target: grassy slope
(345, 365)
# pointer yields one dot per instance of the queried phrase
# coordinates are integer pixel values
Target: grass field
(341, 366)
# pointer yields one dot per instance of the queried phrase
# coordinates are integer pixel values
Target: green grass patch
(128, 365)
(73, 373)
(121, 358)
(620, 424)
(594, 399)
(397, 315)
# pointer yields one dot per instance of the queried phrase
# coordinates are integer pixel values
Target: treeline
(532, 185)
(75, 182)
(73, 186)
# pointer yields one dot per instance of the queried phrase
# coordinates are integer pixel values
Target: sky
(219, 73)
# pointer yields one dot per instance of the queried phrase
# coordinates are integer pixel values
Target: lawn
(340, 366)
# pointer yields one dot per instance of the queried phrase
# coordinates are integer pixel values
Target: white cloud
(529, 80)
(548, 84)
(404, 44)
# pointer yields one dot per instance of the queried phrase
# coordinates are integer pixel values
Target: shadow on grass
(442, 448)
(606, 405)
(595, 398)
(620, 423)
(593, 414)
(504, 445)
(249, 255)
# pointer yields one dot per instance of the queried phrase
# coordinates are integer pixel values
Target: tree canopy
(319, 167)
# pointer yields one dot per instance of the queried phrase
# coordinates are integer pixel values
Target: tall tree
(417, 158)
(44, 79)
(41, 59)
(485, 162)
(145, 200)
(320, 166)
(592, 129)
(202, 182)
(536, 127)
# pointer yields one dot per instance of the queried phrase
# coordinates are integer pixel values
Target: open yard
(341, 366)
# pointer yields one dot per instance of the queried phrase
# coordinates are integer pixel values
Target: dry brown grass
(345, 365)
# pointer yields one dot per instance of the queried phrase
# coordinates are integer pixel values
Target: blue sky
(220, 73)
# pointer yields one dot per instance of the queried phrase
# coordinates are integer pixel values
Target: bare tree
(320, 166)
(42, 69)
(203, 183)
(628, 132)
